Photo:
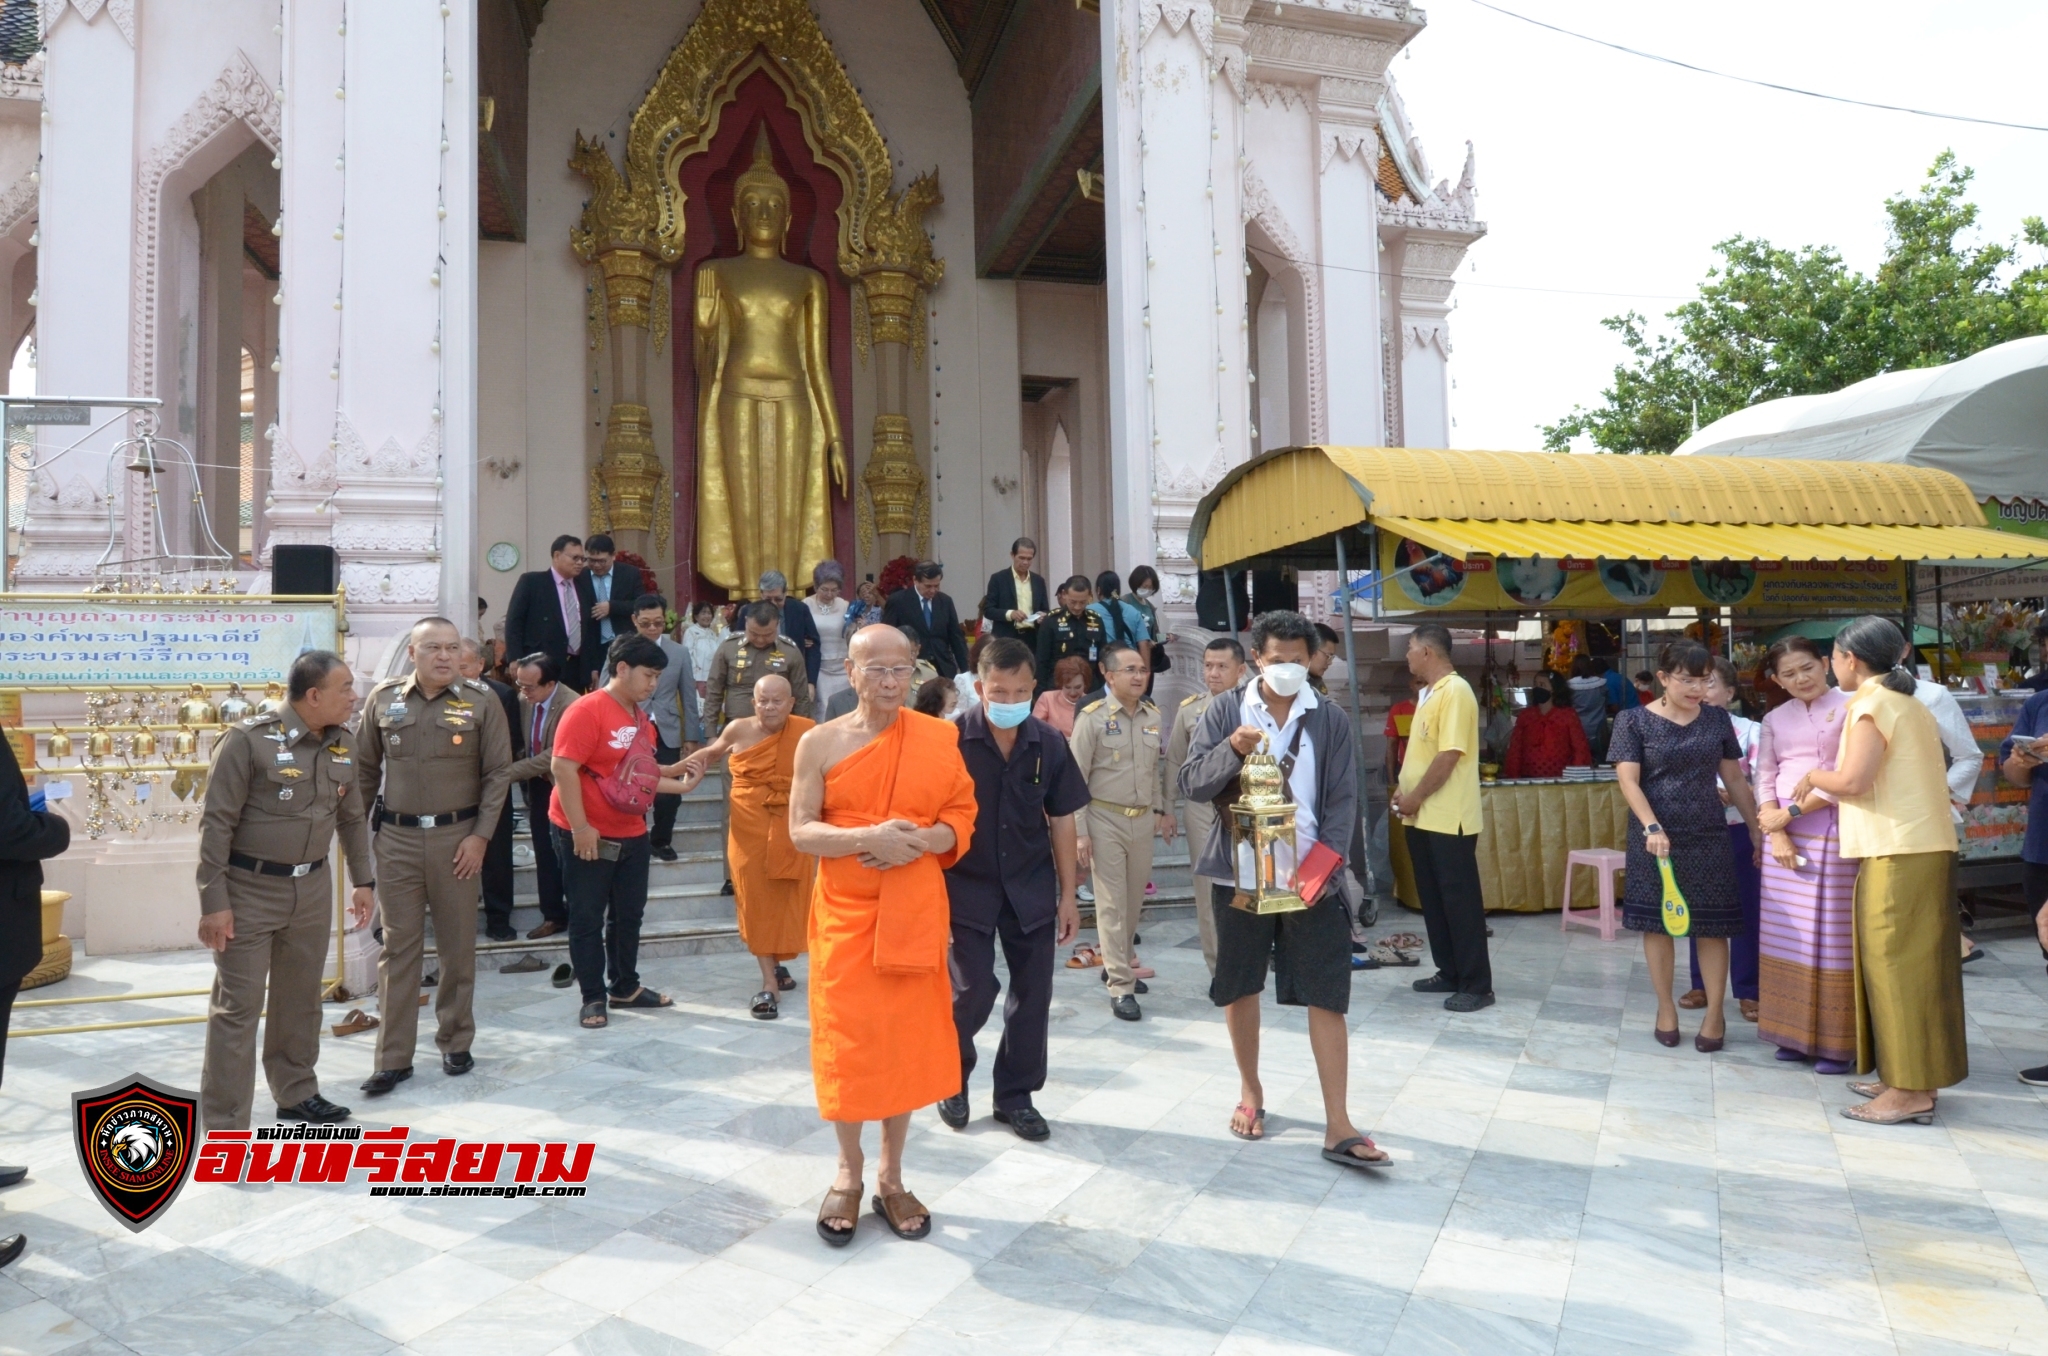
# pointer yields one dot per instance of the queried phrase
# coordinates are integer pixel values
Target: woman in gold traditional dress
(1894, 815)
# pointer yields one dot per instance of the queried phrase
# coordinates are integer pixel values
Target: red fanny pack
(630, 786)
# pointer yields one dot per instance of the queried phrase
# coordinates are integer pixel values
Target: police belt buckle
(302, 869)
(430, 821)
(1127, 811)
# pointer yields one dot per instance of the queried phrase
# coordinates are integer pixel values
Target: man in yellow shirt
(1438, 802)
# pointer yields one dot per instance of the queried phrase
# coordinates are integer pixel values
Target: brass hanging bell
(184, 744)
(144, 744)
(99, 744)
(59, 745)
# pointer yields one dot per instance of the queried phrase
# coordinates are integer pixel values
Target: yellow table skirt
(1526, 830)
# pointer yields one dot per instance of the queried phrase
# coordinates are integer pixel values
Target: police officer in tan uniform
(1119, 746)
(434, 767)
(1222, 670)
(283, 783)
(743, 660)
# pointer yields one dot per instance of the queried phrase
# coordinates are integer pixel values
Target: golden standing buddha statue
(767, 427)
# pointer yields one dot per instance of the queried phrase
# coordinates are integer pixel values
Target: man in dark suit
(612, 587)
(798, 625)
(548, 609)
(931, 614)
(27, 839)
(543, 697)
(497, 876)
(1017, 595)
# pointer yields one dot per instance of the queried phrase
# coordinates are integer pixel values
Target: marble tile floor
(1562, 1184)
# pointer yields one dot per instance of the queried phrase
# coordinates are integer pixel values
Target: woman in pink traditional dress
(1806, 1004)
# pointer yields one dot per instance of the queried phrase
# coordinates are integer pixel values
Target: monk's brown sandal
(901, 1205)
(766, 1009)
(783, 980)
(839, 1205)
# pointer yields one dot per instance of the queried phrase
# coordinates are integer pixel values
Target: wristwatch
(1795, 809)
(1649, 829)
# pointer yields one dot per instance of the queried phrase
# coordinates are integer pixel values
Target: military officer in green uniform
(1072, 628)
(283, 784)
(1119, 745)
(434, 767)
(743, 660)
(1222, 670)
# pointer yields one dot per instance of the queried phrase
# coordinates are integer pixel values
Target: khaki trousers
(1122, 847)
(1198, 820)
(416, 877)
(281, 929)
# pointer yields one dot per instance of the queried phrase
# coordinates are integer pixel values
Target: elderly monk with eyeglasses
(883, 800)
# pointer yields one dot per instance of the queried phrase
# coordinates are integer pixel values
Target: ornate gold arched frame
(729, 41)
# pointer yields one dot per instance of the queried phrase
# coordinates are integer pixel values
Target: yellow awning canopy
(1556, 505)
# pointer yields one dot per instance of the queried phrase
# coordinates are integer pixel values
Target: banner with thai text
(200, 640)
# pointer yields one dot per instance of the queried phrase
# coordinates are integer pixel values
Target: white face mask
(1284, 680)
(1146, 593)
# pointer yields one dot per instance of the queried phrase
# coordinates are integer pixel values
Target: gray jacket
(676, 726)
(1212, 763)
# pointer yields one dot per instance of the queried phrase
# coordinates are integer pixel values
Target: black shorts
(1310, 951)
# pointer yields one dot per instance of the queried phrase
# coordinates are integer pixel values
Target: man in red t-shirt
(1547, 739)
(603, 850)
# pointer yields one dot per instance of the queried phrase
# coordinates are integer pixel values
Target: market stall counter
(1526, 828)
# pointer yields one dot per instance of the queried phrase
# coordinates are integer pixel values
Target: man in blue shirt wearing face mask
(1016, 880)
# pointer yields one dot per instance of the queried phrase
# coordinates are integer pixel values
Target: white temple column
(1353, 304)
(302, 441)
(1426, 243)
(87, 215)
(1172, 130)
(405, 426)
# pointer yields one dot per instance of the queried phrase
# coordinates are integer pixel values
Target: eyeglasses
(900, 672)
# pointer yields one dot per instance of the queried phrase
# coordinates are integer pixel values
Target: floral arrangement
(896, 575)
(1973, 627)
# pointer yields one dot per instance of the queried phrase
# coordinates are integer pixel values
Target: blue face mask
(1006, 715)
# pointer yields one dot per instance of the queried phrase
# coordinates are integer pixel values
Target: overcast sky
(1600, 172)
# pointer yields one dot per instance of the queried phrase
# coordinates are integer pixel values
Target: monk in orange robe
(771, 880)
(883, 800)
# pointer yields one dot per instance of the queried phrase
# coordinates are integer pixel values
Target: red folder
(1315, 871)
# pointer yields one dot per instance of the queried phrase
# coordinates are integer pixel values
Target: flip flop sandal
(1084, 958)
(526, 965)
(1340, 1152)
(645, 998)
(767, 1010)
(839, 1205)
(592, 1017)
(356, 1020)
(1976, 954)
(1258, 1124)
(564, 975)
(1364, 963)
(783, 981)
(901, 1205)
(1387, 955)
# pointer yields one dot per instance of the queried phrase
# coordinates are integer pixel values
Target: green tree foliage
(1770, 322)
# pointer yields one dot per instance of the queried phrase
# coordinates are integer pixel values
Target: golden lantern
(144, 744)
(59, 745)
(1262, 839)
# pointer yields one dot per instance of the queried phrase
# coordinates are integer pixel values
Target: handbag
(631, 785)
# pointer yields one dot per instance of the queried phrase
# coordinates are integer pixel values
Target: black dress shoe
(1125, 1007)
(384, 1080)
(9, 1175)
(12, 1247)
(1468, 1002)
(1026, 1121)
(1436, 983)
(662, 854)
(316, 1109)
(457, 1063)
(548, 928)
(953, 1110)
(504, 932)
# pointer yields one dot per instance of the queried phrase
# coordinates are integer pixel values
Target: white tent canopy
(1984, 419)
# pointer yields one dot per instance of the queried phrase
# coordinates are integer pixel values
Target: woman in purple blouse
(1806, 1003)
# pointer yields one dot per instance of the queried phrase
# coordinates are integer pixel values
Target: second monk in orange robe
(771, 880)
(883, 799)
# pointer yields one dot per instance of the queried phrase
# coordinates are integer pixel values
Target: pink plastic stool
(1607, 862)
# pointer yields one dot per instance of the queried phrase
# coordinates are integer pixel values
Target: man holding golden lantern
(1310, 744)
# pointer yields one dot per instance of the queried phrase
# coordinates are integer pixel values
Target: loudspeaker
(1210, 611)
(303, 570)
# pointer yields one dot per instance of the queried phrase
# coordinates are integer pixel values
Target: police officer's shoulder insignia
(479, 684)
(1092, 705)
(265, 718)
(1191, 699)
(1145, 704)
